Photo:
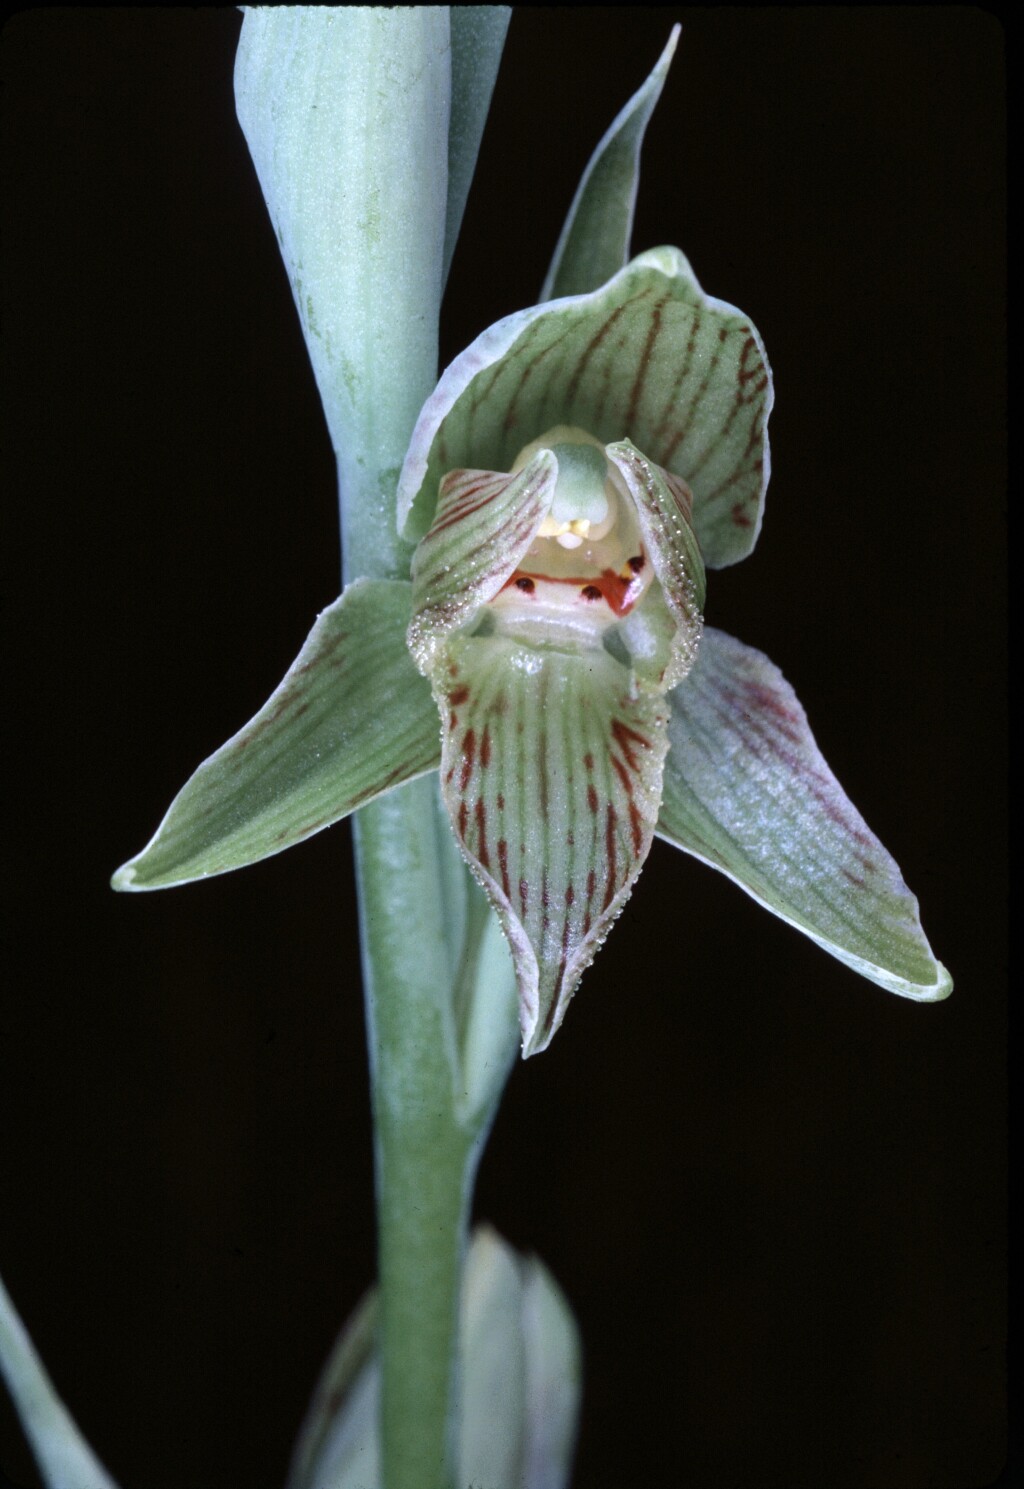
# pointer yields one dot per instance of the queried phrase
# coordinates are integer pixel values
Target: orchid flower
(573, 475)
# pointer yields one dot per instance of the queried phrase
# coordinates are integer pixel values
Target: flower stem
(425, 1157)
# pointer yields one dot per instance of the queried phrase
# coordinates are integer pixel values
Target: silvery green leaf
(351, 719)
(520, 1384)
(337, 1444)
(346, 113)
(747, 791)
(65, 1459)
(478, 36)
(594, 243)
(553, 1379)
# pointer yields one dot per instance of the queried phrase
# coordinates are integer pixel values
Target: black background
(772, 1192)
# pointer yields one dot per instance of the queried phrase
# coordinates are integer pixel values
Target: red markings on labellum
(570, 895)
(623, 775)
(458, 696)
(468, 755)
(636, 828)
(501, 801)
(626, 738)
(592, 798)
(591, 887)
(503, 865)
(739, 515)
(524, 895)
(588, 761)
(480, 813)
(485, 748)
(610, 848)
(615, 589)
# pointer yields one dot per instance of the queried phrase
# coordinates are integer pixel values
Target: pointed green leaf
(494, 1380)
(551, 773)
(337, 1443)
(594, 243)
(65, 1459)
(647, 358)
(345, 110)
(478, 36)
(522, 1377)
(553, 1379)
(520, 1384)
(747, 790)
(351, 719)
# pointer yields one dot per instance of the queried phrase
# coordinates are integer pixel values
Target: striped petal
(747, 791)
(551, 769)
(484, 524)
(663, 505)
(351, 719)
(648, 357)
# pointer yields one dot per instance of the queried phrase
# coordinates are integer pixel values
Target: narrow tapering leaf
(520, 1384)
(337, 1444)
(747, 791)
(553, 1379)
(594, 242)
(65, 1459)
(346, 111)
(351, 719)
(551, 772)
(478, 37)
(649, 358)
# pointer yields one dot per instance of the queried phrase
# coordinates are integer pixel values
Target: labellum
(553, 605)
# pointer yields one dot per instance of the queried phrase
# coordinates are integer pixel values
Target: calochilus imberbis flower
(574, 474)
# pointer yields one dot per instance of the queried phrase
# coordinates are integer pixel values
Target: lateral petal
(484, 523)
(664, 511)
(351, 719)
(747, 791)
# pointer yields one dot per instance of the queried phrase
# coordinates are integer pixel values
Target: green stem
(364, 124)
(425, 1157)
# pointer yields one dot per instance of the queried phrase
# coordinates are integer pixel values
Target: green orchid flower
(573, 475)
